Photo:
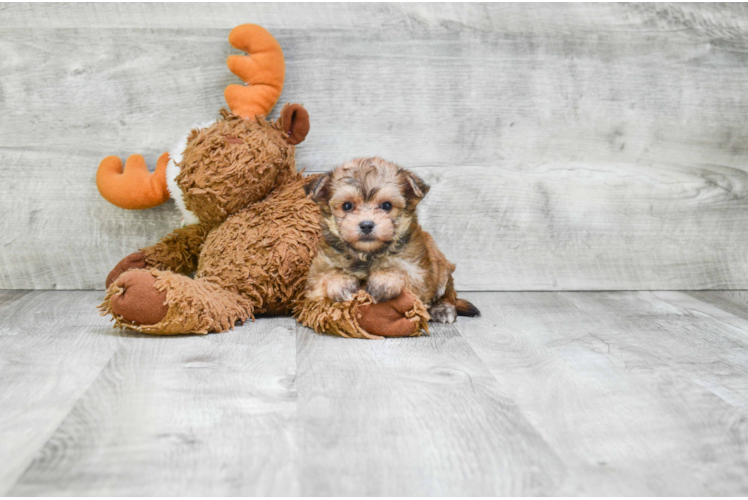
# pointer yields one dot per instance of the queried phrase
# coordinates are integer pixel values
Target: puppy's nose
(366, 226)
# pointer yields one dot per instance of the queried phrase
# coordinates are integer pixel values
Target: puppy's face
(367, 203)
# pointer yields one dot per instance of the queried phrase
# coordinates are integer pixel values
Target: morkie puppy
(371, 238)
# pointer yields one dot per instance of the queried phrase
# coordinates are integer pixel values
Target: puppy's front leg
(334, 285)
(385, 285)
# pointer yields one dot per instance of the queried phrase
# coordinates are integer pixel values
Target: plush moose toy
(249, 232)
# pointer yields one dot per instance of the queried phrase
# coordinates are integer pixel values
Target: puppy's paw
(342, 288)
(444, 312)
(383, 287)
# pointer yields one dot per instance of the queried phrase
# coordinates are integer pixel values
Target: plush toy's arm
(178, 251)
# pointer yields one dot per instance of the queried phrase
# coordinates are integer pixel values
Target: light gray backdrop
(569, 147)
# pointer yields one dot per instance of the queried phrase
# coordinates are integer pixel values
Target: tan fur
(253, 247)
(233, 163)
(267, 239)
(257, 233)
(256, 239)
(195, 306)
(179, 251)
(336, 286)
(397, 255)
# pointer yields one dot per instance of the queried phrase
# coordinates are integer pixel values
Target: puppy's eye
(386, 206)
(347, 206)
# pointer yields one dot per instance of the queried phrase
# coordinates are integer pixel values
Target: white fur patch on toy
(172, 171)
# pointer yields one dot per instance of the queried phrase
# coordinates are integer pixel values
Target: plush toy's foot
(389, 319)
(166, 303)
(404, 316)
(137, 299)
(133, 261)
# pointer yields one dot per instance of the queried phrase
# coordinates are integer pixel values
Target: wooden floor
(589, 393)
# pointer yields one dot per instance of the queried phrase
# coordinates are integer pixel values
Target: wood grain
(593, 393)
(733, 302)
(52, 348)
(571, 147)
(509, 17)
(414, 417)
(192, 415)
(637, 393)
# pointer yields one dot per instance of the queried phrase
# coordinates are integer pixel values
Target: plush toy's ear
(318, 188)
(295, 121)
(413, 187)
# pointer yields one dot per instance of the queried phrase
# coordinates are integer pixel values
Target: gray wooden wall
(570, 147)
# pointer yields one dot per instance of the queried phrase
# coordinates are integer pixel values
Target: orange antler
(263, 69)
(135, 188)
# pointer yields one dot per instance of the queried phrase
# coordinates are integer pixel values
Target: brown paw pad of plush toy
(136, 298)
(361, 318)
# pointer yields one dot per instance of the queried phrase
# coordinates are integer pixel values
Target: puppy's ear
(414, 188)
(295, 120)
(318, 188)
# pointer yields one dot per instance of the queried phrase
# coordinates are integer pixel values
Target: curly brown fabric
(232, 164)
(179, 250)
(255, 262)
(344, 318)
(194, 306)
(253, 248)
(265, 251)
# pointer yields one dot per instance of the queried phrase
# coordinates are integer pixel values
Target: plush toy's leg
(133, 261)
(404, 316)
(166, 303)
(176, 252)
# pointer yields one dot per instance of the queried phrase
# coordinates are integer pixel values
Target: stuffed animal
(249, 232)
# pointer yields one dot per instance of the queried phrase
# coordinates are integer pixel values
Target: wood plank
(572, 147)
(549, 227)
(547, 393)
(53, 345)
(438, 85)
(412, 417)
(637, 393)
(505, 17)
(734, 302)
(187, 415)
(562, 226)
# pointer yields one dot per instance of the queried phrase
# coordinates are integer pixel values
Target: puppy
(371, 238)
